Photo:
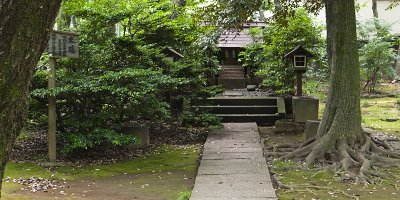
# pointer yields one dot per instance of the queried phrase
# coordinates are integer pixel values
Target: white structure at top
(391, 16)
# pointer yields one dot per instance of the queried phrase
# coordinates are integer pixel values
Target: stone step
(231, 66)
(232, 70)
(241, 109)
(243, 101)
(233, 73)
(231, 76)
(267, 119)
(232, 83)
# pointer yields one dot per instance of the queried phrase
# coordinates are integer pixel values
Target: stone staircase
(232, 77)
(263, 110)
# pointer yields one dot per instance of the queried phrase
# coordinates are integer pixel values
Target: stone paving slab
(234, 127)
(233, 166)
(237, 141)
(230, 198)
(260, 161)
(225, 192)
(239, 138)
(232, 149)
(230, 145)
(233, 178)
(232, 133)
(224, 168)
(229, 169)
(232, 155)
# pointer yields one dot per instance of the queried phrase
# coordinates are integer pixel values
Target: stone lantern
(305, 109)
(299, 57)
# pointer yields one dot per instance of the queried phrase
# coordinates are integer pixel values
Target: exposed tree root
(352, 161)
(276, 182)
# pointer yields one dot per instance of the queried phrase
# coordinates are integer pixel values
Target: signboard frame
(63, 44)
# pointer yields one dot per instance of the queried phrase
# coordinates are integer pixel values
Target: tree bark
(375, 9)
(180, 3)
(24, 31)
(398, 61)
(341, 122)
(278, 5)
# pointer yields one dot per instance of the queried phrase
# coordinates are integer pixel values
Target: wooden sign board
(63, 44)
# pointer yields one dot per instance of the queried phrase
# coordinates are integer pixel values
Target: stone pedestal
(251, 87)
(288, 127)
(305, 108)
(311, 128)
(142, 134)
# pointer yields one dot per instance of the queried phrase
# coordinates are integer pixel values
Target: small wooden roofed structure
(170, 52)
(298, 50)
(238, 38)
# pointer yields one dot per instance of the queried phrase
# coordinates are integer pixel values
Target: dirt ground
(148, 186)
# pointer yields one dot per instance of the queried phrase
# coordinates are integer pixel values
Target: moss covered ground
(317, 184)
(162, 174)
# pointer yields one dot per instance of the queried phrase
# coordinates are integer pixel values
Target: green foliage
(188, 119)
(227, 13)
(123, 77)
(184, 195)
(251, 56)
(96, 137)
(376, 53)
(316, 87)
(278, 40)
(284, 165)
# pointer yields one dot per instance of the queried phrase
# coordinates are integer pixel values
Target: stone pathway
(233, 166)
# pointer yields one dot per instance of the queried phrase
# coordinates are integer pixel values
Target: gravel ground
(244, 92)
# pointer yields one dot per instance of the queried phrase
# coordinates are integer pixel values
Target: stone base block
(283, 126)
(311, 128)
(305, 108)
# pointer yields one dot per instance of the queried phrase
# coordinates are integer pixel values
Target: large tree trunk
(24, 30)
(340, 127)
(341, 122)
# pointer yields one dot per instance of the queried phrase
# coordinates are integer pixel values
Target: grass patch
(377, 114)
(184, 195)
(161, 159)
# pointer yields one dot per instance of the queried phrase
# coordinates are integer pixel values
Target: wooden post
(299, 80)
(52, 118)
(398, 62)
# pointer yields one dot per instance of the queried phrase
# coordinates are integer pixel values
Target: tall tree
(24, 30)
(340, 137)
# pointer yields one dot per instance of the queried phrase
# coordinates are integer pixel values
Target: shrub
(121, 78)
(377, 57)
